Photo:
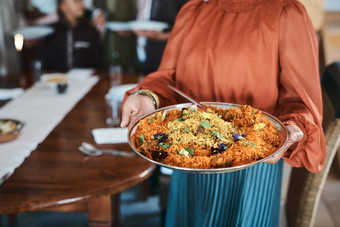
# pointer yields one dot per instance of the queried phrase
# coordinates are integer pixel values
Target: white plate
(47, 79)
(10, 93)
(118, 92)
(118, 26)
(34, 32)
(148, 25)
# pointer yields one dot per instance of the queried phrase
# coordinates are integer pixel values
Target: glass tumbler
(115, 75)
(114, 104)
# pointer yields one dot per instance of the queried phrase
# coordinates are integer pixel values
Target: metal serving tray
(283, 133)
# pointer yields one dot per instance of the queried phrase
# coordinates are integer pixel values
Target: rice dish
(215, 138)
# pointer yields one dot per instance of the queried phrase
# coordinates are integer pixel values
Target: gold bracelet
(150, 94)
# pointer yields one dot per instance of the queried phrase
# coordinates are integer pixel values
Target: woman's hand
(154, 35)
(99, 20)
(294, 135)
(135, 106)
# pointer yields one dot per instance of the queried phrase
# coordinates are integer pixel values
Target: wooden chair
(331, 84)
(305, 188)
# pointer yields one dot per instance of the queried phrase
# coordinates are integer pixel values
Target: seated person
(42, 12)
(75, 42)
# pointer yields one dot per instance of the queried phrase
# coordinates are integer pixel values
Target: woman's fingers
(128, 108)
(274, 159)
(294, 132)
(135, 106)
(294, 135)
(125, 116)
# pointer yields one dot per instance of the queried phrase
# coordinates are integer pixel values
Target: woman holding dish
(257, 52)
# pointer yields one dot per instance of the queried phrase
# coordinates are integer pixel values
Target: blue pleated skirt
(250, 197)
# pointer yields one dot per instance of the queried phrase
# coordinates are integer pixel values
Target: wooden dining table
(58, 177)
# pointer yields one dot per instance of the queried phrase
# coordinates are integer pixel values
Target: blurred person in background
(75, 42)
(120, 50)
(151, 44)
(44, 12)
(8, 54)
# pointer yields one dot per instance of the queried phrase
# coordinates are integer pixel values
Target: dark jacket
(67, 47)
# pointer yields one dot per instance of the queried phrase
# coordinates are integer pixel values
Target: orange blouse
(258, 52)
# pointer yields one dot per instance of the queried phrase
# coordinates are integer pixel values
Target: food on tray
(216, 138)
(7, 126)
(56, 79)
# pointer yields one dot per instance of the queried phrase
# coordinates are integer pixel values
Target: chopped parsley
(190, 150)
(151, 120)
(141, 139)
(218, 135)
(186, 151)
(245, 143)
(205, 124)
(164, 145)
(186, 129)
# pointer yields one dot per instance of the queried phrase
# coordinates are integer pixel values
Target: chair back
(305, 188)
(331, 82)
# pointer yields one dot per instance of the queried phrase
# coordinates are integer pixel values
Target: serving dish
(282, 131)
(51, 80)
(9, 129)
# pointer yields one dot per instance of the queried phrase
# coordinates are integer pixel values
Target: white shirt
(143, 14)
(50, 6)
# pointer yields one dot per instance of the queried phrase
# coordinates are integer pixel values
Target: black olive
(214, 151)
(159, 155)
(184, 112)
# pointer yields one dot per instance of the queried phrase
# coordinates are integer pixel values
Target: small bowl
(11, 134)
(51, 80)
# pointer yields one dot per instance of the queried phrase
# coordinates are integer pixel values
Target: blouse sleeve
(300, 100)
(158, 81)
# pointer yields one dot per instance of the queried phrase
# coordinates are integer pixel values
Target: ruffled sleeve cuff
(308, 151)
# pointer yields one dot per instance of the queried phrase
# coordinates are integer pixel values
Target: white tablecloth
(41, 109)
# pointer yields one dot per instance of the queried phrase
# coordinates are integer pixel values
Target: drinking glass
(114, 109)
(113, 99)
(115, 75)
(36, 69)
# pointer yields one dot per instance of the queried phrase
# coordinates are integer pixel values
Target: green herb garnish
(180, 119)
(151, 120)
(190, 150)
(164, 145)
(141, 139)
(218, 135)
(245, 143)
(186, 130)
(205, 124)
